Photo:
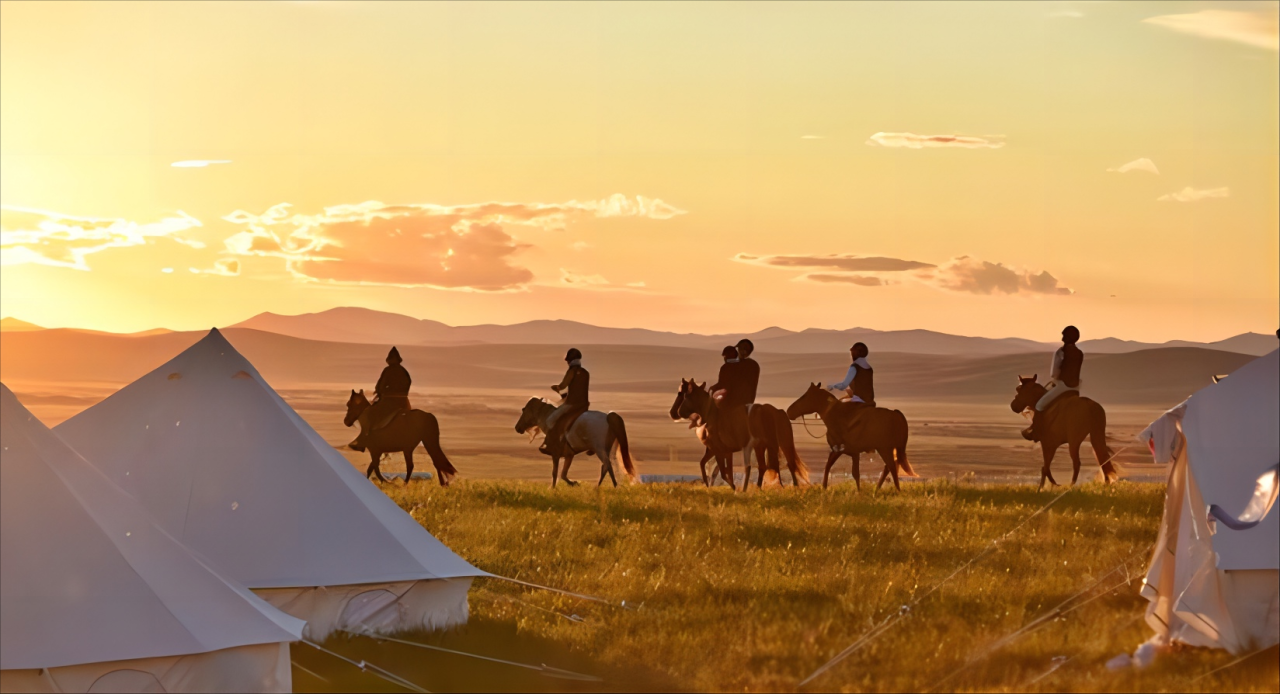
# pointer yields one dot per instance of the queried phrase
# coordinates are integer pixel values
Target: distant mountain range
(366, 326)
(361, 325)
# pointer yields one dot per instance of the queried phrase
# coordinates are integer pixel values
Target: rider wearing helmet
(748, 372)
(575, 384)
(390, 398)
(858, 383)
(1065, 375)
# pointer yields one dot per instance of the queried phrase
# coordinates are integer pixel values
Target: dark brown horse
(403, 434)
(769, 434)
(1070, 420)
(855, 430)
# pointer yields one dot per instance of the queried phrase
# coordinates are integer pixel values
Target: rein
(805, 422)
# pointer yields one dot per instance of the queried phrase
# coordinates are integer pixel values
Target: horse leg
(607, 463)
(1073, 448)
(726, 469)
(831, 460)
(857, 470)
(1045, 472)
(893, 467)
(706, 481)
(555, 470)
(408, 466)
(376, 464)
(564, 471)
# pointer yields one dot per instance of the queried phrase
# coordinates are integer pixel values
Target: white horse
(595, 433)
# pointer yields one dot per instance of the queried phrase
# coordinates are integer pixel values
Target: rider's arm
(848, 379)
(564, 383)
(1055, 371)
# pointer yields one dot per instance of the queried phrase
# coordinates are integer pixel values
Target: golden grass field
(752, 592)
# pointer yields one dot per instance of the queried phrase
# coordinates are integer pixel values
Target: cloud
(965, 274)
(575, 280)
(860, 280)
(962, 274)
(1142, 164)
(198, 163)
(1190, 194)
(464, 247)
(851, 263)
(60, 240)
(579, 245)
(913, 141)
(1258, 29)
(222, 267)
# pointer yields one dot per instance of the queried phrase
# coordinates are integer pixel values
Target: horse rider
(730, 393)
(859, 381)
(749, 371)
(390, 398)
(575, 384)
(1065, 375)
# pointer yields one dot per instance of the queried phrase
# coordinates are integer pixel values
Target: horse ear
(1035, 377)
(362, 391)
(353, 391)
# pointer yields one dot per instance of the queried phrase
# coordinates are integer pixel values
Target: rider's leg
(551, 438)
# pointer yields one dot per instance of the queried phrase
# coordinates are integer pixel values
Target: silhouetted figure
(749, 371)
(729, 394)
(576, 385)
(859, 381)
(390, 399)
(1065, 375)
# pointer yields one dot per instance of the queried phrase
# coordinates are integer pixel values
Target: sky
(995, 169)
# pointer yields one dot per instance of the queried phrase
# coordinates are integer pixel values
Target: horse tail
(431, 441)
(619, 430)
(1098, 440)
(787, 442)
(900, 433)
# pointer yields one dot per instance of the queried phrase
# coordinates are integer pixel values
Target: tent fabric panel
(415, 605)
(253, 464)
(256, 668)
(1232, 438)
(86, 575)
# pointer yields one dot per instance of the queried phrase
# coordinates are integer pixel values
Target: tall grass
(755, 591)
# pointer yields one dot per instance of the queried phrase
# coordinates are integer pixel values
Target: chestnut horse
(1070, 420)
(595, 433)
(855, 430)
(769, 433)
(403, 434)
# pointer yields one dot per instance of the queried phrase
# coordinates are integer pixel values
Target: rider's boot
(358, 443)
(1032, 433)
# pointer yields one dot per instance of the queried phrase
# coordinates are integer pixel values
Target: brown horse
(769, 433)
(852, 431)
(403, 434)
(1070, 420)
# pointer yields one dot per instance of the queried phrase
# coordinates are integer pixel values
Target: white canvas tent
(226, 466)
(95, 597)
(1209, 584)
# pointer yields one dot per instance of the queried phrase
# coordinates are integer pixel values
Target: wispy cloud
(222, 267)
(849, 263)
(962, 274)
(198, 163)
(1259, 29)
(1190, 194)
(466, 247)
(913, 141)
(1142, 164)
(51, 238)
(569, 278)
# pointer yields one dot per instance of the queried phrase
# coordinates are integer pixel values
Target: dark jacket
(864, 384)
(749, 372)
(576, 386)
(1072, 360)
(393, 381)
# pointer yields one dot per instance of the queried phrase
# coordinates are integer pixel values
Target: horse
(403, 434)
(863, 430)
(1070, 420)
(593, 432)
(768, 433)
(703, 435)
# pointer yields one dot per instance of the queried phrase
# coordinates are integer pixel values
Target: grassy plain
(752, 592)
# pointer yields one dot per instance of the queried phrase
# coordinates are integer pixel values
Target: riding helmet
(745, 346)
(573, 354)
(729, 352)
(1071, 334)
(860, 349)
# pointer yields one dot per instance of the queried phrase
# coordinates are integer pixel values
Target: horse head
(530, 415)
(812, 402)
(1028, 393)
(675, 406)
(692, 400)
(356, 405)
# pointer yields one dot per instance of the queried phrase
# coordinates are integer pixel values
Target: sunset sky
(995, 169)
